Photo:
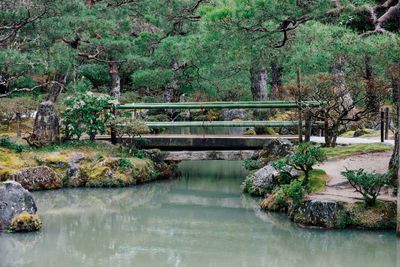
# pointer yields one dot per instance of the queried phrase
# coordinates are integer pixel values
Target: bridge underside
(179, 142)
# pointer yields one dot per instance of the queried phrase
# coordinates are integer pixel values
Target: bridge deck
(194, 142)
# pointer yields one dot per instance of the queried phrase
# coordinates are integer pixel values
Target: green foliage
(251, 164)
(306, 155)
(124, 163)
(285, 176)
(85, 113)
(368, 184)
(293, 191)
(6, 142)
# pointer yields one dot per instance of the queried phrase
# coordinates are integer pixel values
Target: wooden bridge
(214, 144)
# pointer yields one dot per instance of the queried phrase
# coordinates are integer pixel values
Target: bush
(306, 155)
(85, 113)
(368, 184)
(285, 175)
(251, 164)
(6, 142)
(295, 191)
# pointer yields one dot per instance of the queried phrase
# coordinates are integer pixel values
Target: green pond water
(201, 219)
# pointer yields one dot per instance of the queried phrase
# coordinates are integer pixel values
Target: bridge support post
(300, 127)
(113, 130)
(308, 126)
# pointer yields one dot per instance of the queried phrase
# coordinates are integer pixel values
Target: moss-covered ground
(345, 151)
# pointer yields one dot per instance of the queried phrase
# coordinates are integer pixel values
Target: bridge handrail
(224, 124)
(220, 105)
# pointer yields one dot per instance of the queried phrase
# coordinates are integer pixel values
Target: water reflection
(199, 220)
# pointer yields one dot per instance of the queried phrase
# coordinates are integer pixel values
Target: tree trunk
(89, 3)
(395, 159)
(115, 89)
(58, 86)
(276, 82)
(394, 163)
(341, 84)
(18, 122)
(372, 100)
(170, 91)
(258, 78)
(46, 125)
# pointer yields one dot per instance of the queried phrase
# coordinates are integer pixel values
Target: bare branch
(27, 89)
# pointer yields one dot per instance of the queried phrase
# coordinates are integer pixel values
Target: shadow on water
(201, 219)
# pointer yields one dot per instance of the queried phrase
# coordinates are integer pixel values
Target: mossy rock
(25, 222)
(250, 131)
(333, 214)
(55, 160)
(379, 217)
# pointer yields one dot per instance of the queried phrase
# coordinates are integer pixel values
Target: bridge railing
(300, 106)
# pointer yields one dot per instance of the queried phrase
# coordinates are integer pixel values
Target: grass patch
(317, 181)
(344, 151)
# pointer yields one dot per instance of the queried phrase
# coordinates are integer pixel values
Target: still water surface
(201, 219)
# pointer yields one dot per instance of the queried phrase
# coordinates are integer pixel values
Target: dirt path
(339, 189)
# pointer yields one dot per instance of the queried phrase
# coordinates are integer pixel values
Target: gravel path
(353, 140)
(337, 186)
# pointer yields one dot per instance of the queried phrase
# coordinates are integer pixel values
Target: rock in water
(14, 200)
(37, 178)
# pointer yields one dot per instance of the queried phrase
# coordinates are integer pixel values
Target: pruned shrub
(368, 184)
(306, 155)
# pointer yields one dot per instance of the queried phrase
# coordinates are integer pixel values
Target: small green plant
(251, 164)
(295, 191)
(306, 155)
(124, 163)
(368, 184)
(6, 142)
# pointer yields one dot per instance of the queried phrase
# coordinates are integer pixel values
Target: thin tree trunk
(115, 89)
(18, 122)
(172, 88)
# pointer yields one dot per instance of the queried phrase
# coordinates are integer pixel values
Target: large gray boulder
(38, 178)
(316, 212)
(234, 114)
(276, 149)
(264, 180)
(14, 200)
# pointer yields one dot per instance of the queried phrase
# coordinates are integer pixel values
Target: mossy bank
(83, 165)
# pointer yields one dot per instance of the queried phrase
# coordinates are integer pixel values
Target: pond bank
(339, 206)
